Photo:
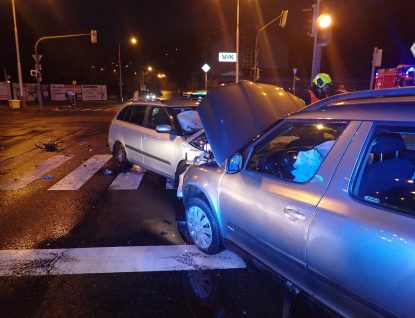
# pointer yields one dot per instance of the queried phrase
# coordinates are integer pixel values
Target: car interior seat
(387, 179)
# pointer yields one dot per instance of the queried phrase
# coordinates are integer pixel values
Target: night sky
(360, 25)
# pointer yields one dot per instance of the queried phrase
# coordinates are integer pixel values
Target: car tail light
(109, 126)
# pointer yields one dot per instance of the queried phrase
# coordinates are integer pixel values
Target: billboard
(227, 57)
(94, 92)
(56, 92)
(4, 91)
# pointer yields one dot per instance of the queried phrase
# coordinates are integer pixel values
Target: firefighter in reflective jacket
(318, 90)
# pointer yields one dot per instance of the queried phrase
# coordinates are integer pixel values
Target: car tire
(202, 226)
(121, 157)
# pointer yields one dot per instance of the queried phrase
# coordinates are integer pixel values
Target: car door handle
(123, 129)
(292, 213)
(145, 136)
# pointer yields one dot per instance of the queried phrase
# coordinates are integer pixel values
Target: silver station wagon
(153, 134)
(325, 197)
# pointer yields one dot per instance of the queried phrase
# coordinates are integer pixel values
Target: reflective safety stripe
(313, 97)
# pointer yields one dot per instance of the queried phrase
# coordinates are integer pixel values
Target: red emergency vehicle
(403, 75)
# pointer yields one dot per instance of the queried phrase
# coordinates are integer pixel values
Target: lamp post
(133, 41)
(19, 69)
(237, 44)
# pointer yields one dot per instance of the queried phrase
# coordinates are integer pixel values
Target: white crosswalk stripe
(82, 174)
(127, 181)
(125, 259)
(41, 170)
(78, 177)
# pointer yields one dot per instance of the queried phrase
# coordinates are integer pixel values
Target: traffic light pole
(283, 17)
(315, 68)
(93, 35)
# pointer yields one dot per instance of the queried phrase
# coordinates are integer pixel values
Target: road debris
(107, 172)
(50, 146)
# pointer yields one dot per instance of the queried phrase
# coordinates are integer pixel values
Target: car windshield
(189, 119)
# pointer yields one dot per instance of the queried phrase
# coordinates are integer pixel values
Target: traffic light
(259, 73)
(308, 21)
(324, 22)
(93, 36)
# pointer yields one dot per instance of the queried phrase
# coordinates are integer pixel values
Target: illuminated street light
(133, 41)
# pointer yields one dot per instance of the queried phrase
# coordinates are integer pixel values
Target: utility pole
(19, 68)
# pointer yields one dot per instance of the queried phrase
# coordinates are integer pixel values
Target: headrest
(388, 142)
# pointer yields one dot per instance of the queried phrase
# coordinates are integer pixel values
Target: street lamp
(133, 41)
(19, 69)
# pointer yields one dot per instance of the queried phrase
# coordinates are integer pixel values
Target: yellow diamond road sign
(413, 49)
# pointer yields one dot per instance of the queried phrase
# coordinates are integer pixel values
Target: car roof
(166, 102)
(396, 104)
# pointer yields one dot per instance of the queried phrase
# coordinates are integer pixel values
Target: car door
(132, 133)
(159, 148)
(362, 240)
(265, 211)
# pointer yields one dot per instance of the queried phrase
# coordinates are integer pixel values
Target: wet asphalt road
(33, 218)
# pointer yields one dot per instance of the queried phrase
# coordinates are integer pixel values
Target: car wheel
(202, 226)
(121, 157)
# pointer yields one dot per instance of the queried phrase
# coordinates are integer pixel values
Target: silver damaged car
(325, 197)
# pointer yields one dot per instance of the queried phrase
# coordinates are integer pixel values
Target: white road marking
(113, 260)
(127, 181)
(80, 175)
(41, 170)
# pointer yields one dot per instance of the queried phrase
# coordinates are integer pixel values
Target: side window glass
(121, 115)
(295, 151)
(386, 176)
(137, 115)
(158, 116)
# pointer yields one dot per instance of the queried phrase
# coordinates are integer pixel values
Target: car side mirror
(233, 164)
(166, 129)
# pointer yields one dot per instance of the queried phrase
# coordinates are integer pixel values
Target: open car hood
(234, 114)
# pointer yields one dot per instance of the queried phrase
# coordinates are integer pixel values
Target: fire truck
(403, 75)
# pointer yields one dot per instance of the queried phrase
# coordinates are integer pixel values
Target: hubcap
(199, 227)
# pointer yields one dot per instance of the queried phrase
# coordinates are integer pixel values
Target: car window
(158, 116)
(137, 114)
(295, 150)
(121, 115)
(386, 175)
